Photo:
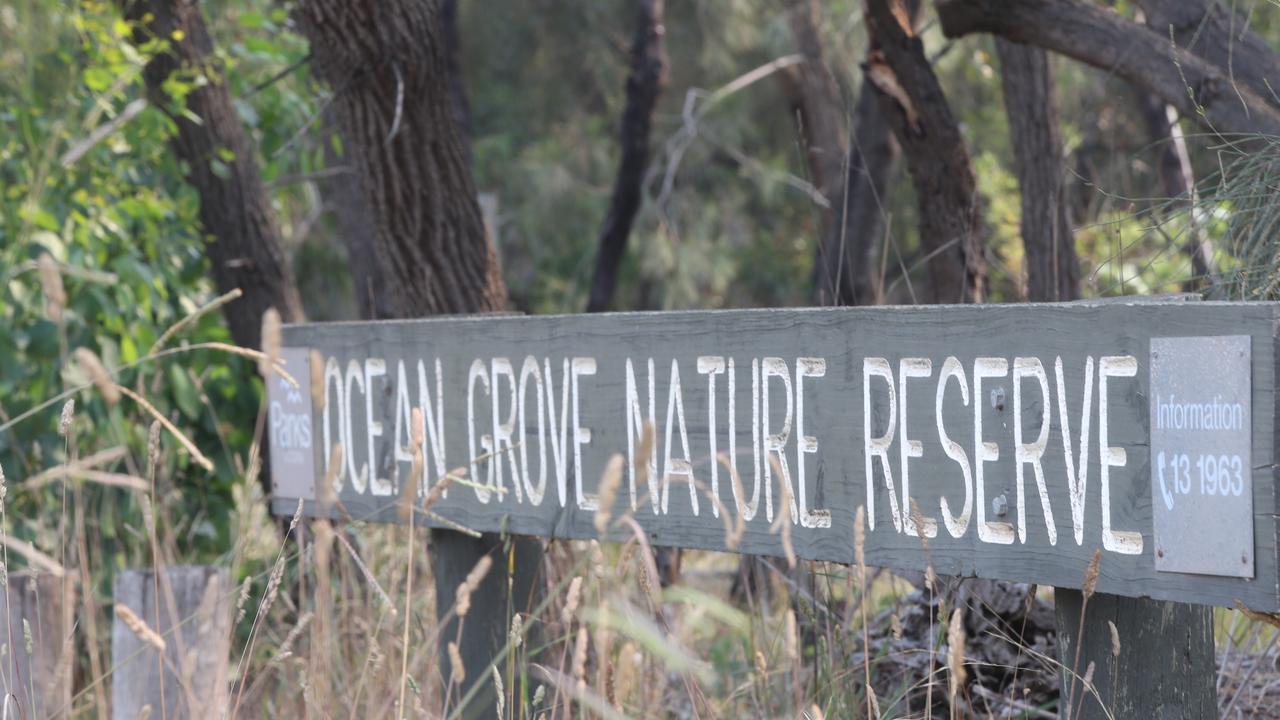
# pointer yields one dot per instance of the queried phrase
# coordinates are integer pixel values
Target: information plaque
(1201, 489)
(289, 428)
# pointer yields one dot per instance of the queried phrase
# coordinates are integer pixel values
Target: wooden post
(1160, 663)
(194, 619)
(484, 630)
(37, 673)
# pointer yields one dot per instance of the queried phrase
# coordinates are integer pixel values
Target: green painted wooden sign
(1016, 440)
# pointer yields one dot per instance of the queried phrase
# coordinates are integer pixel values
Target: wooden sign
(1015, 439)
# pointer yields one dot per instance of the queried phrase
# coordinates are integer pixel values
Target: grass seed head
(271, 342)
(316, 360)
(955, 652)
(1091, 575)
(597, 560)
(67, 416)
(609, 484)
(499, 692)
(244, 598)
(139, 628)
(571, 601)
(462, 603)
(458, 672)
(516, 635)
(580, 657)
(875, 702)
(51, 285)
(97, 372)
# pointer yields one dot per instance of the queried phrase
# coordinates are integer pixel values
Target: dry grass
(341, 620)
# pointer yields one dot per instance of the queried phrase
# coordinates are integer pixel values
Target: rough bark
(242, 239)
(453, 65)
(920, 116)
(1053, 272)
(1211, 30)
(385, 61)
(1102, 38)
(644, 86)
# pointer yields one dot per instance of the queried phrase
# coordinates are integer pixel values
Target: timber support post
(177, 664)
(39, 616)
(1150, 658)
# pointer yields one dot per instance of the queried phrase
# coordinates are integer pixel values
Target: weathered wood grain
(194, 619)
(38, 612)
(833, 414)
(1159, 663)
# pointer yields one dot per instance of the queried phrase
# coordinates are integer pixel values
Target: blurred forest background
(728, 218)
(103, 246)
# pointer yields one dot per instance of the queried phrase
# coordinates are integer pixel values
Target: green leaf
(44, 219)
(128, 350)
(259, 45)
(184, 391)
(252, 20)
(98, 79)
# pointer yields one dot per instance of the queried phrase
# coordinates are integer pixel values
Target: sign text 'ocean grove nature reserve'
(1015, 439)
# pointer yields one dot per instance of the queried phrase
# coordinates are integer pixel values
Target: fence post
(39, 676)
(1161, 664)
(194, 614)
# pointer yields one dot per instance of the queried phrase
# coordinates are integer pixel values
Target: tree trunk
(816, 107)
(1102, 38)
(1177, 182)
(242, 240)
(1211, 30)
(385, 64)
(845, 269)
(836, 172)
(1053, 272)
(453, 65)
(644, 85)
(385, 61)
(352, 217)
(946, 190)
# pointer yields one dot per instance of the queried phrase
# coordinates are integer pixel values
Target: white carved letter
(1030, 453)
(1126, 542)
(957, 526)
(873, 448)
(997, 532)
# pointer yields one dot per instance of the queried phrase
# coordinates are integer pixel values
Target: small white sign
(1201, 484)
(289, 428)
